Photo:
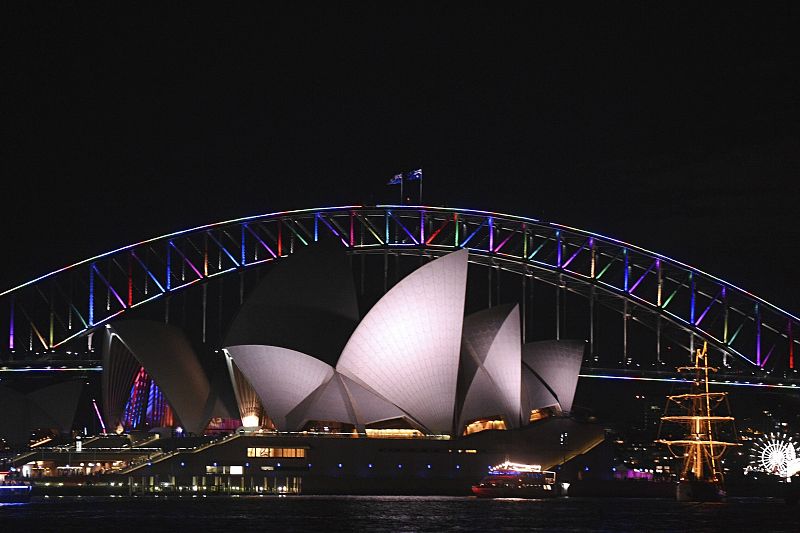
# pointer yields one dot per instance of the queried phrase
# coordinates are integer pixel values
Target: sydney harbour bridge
(641, 313)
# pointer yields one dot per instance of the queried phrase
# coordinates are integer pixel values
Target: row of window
(276, 452)
(399, 466)
(235, 470)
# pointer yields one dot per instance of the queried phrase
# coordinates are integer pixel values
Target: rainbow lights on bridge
(674, 299)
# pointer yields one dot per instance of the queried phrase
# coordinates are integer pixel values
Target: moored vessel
(12, 490)
(515, 480)
(701, 445)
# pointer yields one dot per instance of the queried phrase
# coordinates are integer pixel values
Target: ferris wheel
(776, 454)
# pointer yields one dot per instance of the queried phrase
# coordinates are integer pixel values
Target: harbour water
(392, 514)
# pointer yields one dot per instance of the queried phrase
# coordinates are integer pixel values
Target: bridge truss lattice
(670, 297)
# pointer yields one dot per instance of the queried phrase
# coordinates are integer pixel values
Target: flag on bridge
(399, 179)
(414, 175)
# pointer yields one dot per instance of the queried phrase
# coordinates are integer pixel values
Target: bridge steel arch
(673, 298)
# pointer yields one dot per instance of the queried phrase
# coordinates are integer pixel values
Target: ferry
(515, 480)
(13, 491)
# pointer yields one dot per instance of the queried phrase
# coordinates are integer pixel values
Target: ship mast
(701, 447)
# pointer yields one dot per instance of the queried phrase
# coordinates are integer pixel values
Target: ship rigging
(702, 444)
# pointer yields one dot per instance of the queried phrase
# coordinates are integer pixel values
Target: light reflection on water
(396, 513)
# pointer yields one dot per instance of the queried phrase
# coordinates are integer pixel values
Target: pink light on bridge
(97, 412)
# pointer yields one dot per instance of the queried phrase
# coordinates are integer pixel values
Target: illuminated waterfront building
(412, 390)
(405, 365)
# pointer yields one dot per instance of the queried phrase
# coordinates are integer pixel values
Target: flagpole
(420, 189)
(402, 179)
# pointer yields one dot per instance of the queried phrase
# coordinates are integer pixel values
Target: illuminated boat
(701, 447)
(12, 491)
(514, 480)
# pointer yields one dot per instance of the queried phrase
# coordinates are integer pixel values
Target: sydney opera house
(309, 395)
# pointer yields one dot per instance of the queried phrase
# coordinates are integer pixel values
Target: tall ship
(700, 442)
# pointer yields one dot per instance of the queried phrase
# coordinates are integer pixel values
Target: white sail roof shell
(368, 406)
(51, 407)
(490, 365)
(282, 378)
(165, 352)
(407, 347)
(341, 399)
(556, 364)
(328, 402)
(535, 395)
(313, 288)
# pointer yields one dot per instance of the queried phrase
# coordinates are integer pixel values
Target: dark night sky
(675, 129)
